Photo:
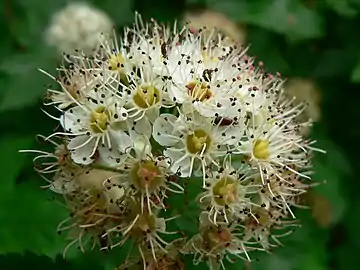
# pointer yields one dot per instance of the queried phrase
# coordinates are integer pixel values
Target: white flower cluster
(77, 26)
(141, 115)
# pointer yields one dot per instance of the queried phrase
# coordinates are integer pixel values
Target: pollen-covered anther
(217, 237)
(99, 119)
(261, 149)
(198, 142)
(146, 96)
(147, 176)
(116, 62)
(225, 191)
(199, 91)
(145, 223)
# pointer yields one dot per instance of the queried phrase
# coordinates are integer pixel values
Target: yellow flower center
(208, 58)
(146, 175)
(99, 119)
(116, 62)
(198, 142)
(225, 191)
(146, 96)
(199, 91)
(261, 149)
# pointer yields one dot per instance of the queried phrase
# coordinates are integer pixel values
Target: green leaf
(332, 188)
(262, 45)
(31, 222)
(25, 82)
(287, 17)
(11, 160)
(120, 12)
(343, 7)
(30, 24)
(355, 76)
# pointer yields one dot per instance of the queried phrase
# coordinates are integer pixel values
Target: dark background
(317, 40)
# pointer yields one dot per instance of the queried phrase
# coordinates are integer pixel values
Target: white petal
(111, 157)
(163, 127)
(142, 128)
(82, 155)
(179, 163)
(177, 94)
(69, 121)
(153, 113)
(142, 146)
(232, 135)
(119, 140)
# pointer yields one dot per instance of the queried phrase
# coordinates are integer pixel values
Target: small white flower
(225, 193)
(76, 83)
(144, 227)
(193, 142)
(147, 176)
(207, 85)
(274, 144)
(216, 242)
(94, 126)
(93, 211)
(77, 26)
(146, 94)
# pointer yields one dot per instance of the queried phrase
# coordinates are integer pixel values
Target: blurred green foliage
(315, 39)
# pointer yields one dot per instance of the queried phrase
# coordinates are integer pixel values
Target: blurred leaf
(26, 82)
(11, 161)
(355, 76)
(287, 17)
(262, 46)
(30, 24)
(31, 261)
(120, 12)
(304, 249)
(332, 188)
(328, 63)
(31, 223)
(343, 8)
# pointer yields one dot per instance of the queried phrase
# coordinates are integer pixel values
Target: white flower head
(193, 142)
(146, 116)
(77, 26)
(147, 176)
(216, 242)
(226, 192)
(92, 127)
(146, 228)
(146, 93)
(204, 77)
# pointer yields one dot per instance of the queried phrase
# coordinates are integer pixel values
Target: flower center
(217, 237)
(262, 218)
(116, 62)
(146, 176)
(146, 96)
(199, 91)
(198, 142)
(99, 119)
(261, 149)
(145, 223)
(225, 191)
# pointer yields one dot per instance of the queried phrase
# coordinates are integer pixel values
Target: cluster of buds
(141, 116)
